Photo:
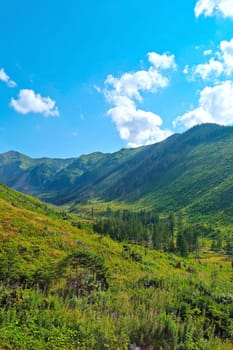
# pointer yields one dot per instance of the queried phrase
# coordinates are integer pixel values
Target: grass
(64, 287)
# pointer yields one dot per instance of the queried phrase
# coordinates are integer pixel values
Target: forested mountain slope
(193, 170)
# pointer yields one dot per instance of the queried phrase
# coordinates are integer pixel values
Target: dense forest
(168, 233)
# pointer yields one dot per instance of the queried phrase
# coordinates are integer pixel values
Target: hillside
(64, 287)
(191, 171)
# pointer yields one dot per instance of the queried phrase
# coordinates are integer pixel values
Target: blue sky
(83, 76)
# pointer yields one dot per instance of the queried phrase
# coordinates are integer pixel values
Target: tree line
(166, 233)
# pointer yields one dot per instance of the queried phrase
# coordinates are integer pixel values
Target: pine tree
(181, 244)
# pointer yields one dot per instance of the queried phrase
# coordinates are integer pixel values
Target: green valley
(191, 171)
(139, 254)
(65, 287)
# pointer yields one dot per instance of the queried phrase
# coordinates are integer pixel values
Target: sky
(83, 76)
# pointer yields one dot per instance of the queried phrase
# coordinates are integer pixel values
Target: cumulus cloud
(220, 64)
(163, 61)
(215, 106)
(209, 8)
(30, 102)
(212, 69)
(226, 55)
(6, 79)
(136, 126)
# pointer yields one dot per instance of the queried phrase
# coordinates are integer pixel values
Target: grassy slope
(152, 298)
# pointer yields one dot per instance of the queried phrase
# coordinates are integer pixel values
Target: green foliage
(168, 176)
(63, 287)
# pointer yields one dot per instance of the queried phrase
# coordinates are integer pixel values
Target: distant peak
(14, 154)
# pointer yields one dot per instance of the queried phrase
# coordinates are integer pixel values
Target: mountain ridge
(190, 171)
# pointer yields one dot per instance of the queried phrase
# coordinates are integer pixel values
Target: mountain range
(63, 286)
(191, 171)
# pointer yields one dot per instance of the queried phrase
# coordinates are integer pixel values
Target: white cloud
(136, 126)
(220, 64)
(207, 52)
(97, 88)
(130, 84)
(209, 8)
(30, 102)
(226, 55)
(205, 7)
(164, 61)
(186, 69)
(6, 79)
(215, 106)
(209, 70)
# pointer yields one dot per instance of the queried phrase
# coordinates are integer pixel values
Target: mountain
(191, 171)
(64, 287)
(26, 174)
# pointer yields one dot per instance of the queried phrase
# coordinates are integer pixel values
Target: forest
(167, 233)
